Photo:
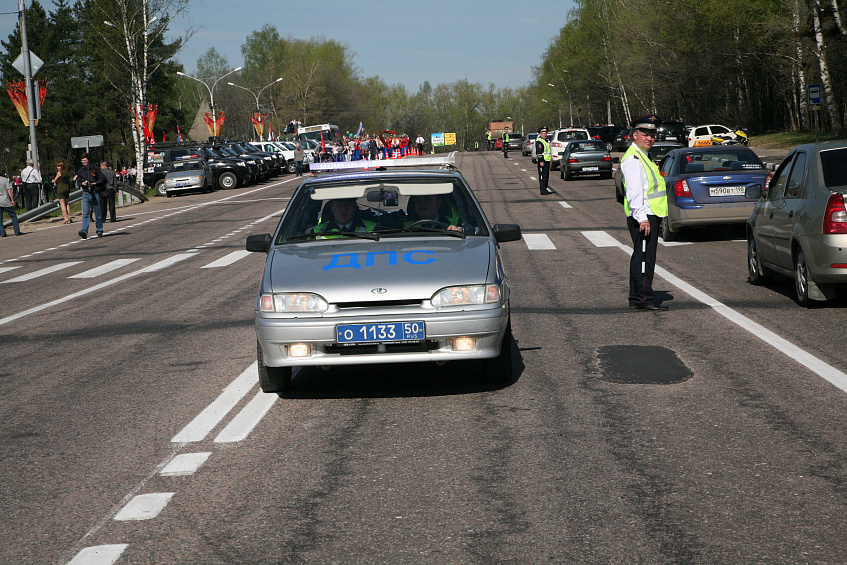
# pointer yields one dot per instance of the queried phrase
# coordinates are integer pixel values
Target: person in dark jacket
(89, 179)
(107, 193)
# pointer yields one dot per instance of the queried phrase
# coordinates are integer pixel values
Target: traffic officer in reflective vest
(488, 140)
(645, 205)
(543, 155)
(505, 142)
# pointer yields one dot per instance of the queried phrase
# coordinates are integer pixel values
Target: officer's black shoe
(547, 191)
(83, 235)
(655, 307)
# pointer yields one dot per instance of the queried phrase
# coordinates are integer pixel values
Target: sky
(401, 41)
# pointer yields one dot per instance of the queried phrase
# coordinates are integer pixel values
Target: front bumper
(487, 326)
(192, 186)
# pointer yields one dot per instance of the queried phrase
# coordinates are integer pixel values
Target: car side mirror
(507, 232)
(259, 243)
(753, 192)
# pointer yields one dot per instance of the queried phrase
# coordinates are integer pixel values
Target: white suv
(705, 133)
(559, 140)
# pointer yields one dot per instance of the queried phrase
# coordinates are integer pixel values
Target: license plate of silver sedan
(395, 264)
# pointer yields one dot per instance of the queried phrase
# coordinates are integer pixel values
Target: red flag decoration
(323, 146)
(163, 137)
(259, 122)
(270, 131)
(17, 91)
(214, 129)
(178, 134)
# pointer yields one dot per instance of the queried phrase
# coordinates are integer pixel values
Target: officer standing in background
(488, 140)
(505, 142)
(542, 155)
(645, 205)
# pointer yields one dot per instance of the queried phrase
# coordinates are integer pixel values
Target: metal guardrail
(45, 209)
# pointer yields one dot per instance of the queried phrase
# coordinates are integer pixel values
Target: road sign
(87, 142)
(34, 64)
(814, 94)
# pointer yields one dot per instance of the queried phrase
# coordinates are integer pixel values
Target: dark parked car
(707, 185)
(623, 140)
(798, 226)
(672, 131)
(585, 158)
(606, 134)
(515, 141)
(228, 171)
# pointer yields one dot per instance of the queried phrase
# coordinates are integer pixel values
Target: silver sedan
(585, 157)
(382, 267)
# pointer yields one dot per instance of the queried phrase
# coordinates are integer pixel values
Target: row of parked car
(175, 167)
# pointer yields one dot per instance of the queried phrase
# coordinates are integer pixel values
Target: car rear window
(834, 164)
(566, 135)
(588, 146)
(706, 162)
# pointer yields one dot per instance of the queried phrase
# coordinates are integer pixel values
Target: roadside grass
(787, 139)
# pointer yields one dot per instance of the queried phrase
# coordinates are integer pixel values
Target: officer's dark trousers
(505, 150)
(543, 174)
(641, 284)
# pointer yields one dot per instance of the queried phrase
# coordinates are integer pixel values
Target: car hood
(402, 269)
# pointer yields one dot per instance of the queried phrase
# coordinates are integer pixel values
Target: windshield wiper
(421, 229)
(330, 234)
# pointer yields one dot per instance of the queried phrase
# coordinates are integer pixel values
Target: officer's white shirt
(636, 184)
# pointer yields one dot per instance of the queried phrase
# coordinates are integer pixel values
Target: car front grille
(378, 304)
(373, 349)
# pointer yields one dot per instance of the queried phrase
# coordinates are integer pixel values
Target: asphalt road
(133, 430)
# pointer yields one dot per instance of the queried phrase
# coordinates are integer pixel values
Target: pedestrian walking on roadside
(542, 156)
(505, 142)
(108, 192)
(7, 205)
(299, 156)
(31, 179)
(645, 205)
(62, 180)
(89, 179)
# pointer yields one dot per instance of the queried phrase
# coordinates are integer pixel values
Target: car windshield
(183, 166)
(706, 162)
(381, 207)
(673, 127)
(587, 146)
(227, 151)
(834, 164)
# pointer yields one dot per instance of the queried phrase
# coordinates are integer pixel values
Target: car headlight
(466, 295)
(240, 164)
(292, 302)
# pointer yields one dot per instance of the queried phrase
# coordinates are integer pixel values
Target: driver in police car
(428, 207)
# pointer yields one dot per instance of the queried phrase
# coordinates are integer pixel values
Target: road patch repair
(641, 364)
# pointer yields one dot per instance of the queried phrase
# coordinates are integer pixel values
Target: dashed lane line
(40, 272)
(817, 366)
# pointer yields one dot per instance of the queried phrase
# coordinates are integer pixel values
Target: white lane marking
(241, 426)
(536, 241)
(6, 269)
(185, 464)
(42, 272)
(99, 554)
(144, 506)
(601, 239)
(533, 178)
(673, 243)
(817, 366)
(564, 204)
(96, 287)
(206, 420)
(103, 269)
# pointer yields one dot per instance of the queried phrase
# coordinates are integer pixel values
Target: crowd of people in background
(31, 190)
(371, 147)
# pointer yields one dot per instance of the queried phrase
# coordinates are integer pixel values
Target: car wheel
(159, 187)
(227, 180)
(607, 176)
(609, 146)
(206, 189)
(802, 279)
(272, 379)
(499, 369)
(618, 196)
(755, 273)
(561, 172)
(667, 233)
(566, 174)
(291, 167)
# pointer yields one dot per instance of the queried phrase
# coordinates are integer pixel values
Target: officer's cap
(649, 122)
(542, 128)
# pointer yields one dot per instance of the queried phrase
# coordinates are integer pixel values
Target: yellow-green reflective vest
(656, 195)
(548, 153)
(505, 137)
(368, 226)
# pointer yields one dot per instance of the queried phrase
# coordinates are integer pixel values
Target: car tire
(802, 278)
(272, 379)
(667, 233)
(566, 174)
(291, 167)
(159, 187)
(607, 176)
(227, 180)
(618, 196)
(561, 172)
(756, 274)
(499, 369)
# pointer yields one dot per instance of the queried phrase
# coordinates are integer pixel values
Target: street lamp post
(255, 95)
(570, 104)
(211, 92)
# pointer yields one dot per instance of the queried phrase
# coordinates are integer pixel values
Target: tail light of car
(627, 136)
(680, 188)
(767, 182)
(572, 160)
(835, 218)
(607, 157)
(557, 144)
(596, 137)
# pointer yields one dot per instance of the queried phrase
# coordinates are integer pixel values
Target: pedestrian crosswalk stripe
(601, 239)
(42, 272)
(103, 269)
(535, 241)
(6, 269)
(227, 260)
(564, 204)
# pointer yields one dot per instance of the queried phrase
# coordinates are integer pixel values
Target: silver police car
(383, 266)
